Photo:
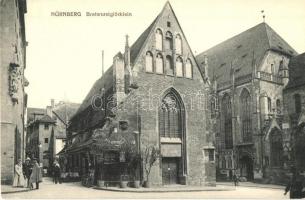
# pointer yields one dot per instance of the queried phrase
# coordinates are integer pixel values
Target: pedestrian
(18, 175)
(235, 179)
(27, 171)
(295, 186)
(56, 172)
(36, 176)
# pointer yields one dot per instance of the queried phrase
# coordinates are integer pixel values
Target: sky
(64, 54)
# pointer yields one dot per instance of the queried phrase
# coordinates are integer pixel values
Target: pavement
(6, 189)
(169, 188)
(74, 190)
(250, 184)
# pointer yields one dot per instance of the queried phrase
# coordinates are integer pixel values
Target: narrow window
(278, 106)
(179, 67)
(159, 64)
(46, 126)
(149, 62)
(168, 24)
(269, 105)
(227, 121)
(169, 65)
(297, 103)
(46, 140)
(188, 69)
(159, 38)
(245, 100)
(168, 41)
(178, 43)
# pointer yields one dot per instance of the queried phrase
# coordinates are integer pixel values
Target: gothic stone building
(249, 72)
(13, 96)
(294, 111)
(160, 94)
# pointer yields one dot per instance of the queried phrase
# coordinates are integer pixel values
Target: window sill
(149, 72)
(171, 140)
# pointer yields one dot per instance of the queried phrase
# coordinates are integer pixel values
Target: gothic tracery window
(245, 100)
(170, 117)
(227, 121)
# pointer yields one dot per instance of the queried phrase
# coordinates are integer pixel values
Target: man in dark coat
(27, 170)
(56, 172)
(36, 176)
(295, 186)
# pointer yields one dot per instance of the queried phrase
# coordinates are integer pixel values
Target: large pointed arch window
(276, 148)
(159, 39)
(245, 114)
(171, 115)
(227, 121)
(149, 62)
(178, 43)
(159, 64)
(169, 41)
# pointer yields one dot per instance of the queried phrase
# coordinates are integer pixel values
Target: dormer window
(159, 38)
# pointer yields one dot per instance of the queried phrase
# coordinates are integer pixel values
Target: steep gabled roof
(243, 51)
(37, 112)
(296, 71)
(46, 119)
(106, 82)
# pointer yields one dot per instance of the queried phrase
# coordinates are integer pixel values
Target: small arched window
(278, 106)
(297, 103)
(159, 39)
(188, 69)
(179, 67)
(269, 104)
(149, 62)
(169, 41)
(169, 65)
(159, 64)
(178, 43)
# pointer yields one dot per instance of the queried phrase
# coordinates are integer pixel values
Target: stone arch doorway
(246, 167)
(172, 137)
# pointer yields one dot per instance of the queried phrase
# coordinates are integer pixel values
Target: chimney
(119, 77)
(49, 111)
(52, 103)
(128, 75)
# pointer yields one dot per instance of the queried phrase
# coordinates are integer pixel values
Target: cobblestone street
(75, 190)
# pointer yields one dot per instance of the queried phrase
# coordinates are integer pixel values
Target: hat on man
(27, 158)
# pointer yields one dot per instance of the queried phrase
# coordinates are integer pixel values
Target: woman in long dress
(36, 176)
(18, 176)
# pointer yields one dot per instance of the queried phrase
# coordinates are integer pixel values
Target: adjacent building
(294, 111)
(156, 95)
(13, 97)
(46, 131)
(249, 73)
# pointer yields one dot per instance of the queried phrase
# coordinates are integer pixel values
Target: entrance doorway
(246, 167)
(169, 171)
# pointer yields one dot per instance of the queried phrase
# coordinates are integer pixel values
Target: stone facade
(13, 96)
(241, 65)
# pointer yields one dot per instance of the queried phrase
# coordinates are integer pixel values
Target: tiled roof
(46, 119)
(37, 112)
(65, 109)
(106, 82)
(243, 51)
(296, 71)
(137, 45)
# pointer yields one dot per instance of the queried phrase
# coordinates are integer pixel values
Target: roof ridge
(267, 33)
